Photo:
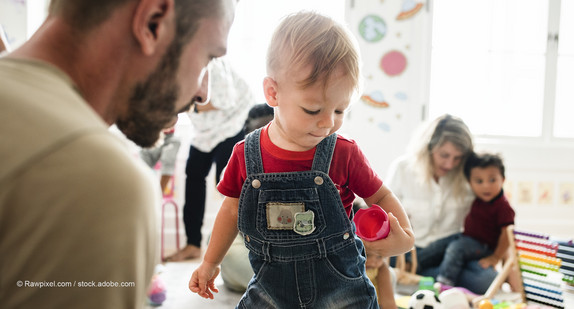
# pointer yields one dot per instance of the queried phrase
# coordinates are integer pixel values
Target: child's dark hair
(259, 115)
(483, 160)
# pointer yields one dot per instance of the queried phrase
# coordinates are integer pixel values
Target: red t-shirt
(350, 170)
(485, 220)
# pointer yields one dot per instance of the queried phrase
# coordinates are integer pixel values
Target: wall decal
(384, 126)
(566, 193)
(525, 192)
(393, 63)
(375, 98)
(508, 188)
(409, 8)
(545, 193)
(401, 96)
(372, 28)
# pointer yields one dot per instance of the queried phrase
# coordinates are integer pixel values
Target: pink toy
(156, 292)
(372, 223)
(440, 288)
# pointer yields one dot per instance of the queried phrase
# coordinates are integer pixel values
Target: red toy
(372, 223)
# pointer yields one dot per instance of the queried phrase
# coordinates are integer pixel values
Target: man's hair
(483, 160)
(310, 39)
(84, 15)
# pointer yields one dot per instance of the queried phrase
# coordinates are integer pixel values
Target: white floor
(176, 277)
(176, 274)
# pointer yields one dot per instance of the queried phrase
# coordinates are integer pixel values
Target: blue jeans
(458, 252)
(472, 276)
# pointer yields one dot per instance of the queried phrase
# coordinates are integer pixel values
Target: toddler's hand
(202, 280)
(397, 242)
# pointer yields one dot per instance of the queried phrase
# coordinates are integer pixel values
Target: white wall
(21, 18)
(539, 184)
(383, 132)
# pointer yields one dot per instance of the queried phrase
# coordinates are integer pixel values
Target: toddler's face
(304, 117)
(374, 261)
(486, 182)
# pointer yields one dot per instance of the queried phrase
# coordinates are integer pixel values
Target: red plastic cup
(372, 223)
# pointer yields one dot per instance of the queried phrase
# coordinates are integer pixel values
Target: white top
(433, 211)
(232, 97)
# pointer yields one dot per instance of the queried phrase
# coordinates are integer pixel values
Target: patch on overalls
(304, 222)
(281, 216)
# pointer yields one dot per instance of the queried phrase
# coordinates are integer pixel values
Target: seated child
(166, 153)
(484, 235)
(289, 186)
(382, 278)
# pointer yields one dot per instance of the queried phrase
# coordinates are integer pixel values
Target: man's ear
(270, 91)
(153, 23)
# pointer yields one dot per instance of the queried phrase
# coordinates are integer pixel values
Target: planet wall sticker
(372, 28)
(393, 63)
(409, 8)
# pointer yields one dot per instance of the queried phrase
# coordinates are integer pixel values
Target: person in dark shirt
(484, 237)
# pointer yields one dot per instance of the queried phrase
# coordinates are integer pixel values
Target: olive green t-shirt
(77, 221)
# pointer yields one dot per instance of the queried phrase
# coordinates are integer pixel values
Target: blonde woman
(430, 183)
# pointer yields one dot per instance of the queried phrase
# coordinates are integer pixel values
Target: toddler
(380, 274)
(166, 153)
(290, 185)
(484, 235)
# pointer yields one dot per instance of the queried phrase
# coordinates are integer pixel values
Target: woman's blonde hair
(445, 128)
(310, 39)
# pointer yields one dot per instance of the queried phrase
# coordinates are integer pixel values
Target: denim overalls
(302, 245)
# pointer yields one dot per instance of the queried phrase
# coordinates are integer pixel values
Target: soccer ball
(424, 299)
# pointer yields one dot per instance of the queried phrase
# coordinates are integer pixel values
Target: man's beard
(152, 103)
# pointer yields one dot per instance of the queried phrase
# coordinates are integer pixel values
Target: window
(564, 110)
(505, 67)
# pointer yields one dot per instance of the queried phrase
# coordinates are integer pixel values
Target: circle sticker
(372, 28)
(393, 63)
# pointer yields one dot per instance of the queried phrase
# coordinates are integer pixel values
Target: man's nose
(202, 95)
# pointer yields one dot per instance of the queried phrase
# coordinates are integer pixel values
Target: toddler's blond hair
(310, 39)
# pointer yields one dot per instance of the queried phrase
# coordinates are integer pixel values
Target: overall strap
(324, 154)
(253, 162)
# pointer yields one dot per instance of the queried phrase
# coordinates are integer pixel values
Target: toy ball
(157, 292)
(453, 299)
(424, 299)
(485, 304)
